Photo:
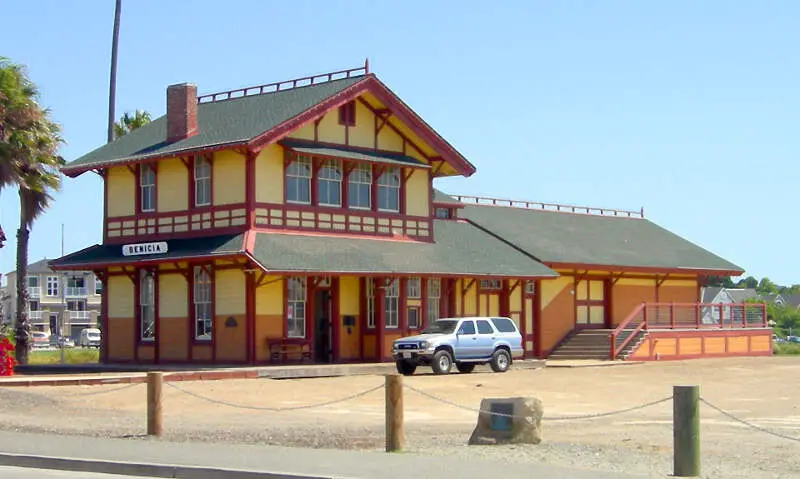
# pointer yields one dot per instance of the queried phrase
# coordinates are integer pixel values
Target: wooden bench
(280, 348)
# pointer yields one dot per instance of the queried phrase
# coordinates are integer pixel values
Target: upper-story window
(147, 187)
(329, 183)
(389, 190)
(347, 114)
(443, 213)
(202, 181)
(359, 187)
(98, 286)
(52, 285)
(298, 180)
(492, 284)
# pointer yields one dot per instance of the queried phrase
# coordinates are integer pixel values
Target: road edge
(141, 469)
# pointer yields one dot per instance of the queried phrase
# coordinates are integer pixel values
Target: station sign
(139, 249)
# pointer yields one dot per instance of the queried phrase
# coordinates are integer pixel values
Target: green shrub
(786, 348)
(71, 356)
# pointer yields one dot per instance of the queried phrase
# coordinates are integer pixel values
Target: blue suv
(464, 342)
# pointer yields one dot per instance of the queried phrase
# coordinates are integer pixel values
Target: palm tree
(129, 122)
(29, 141)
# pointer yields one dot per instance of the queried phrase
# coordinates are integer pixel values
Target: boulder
(524, 427)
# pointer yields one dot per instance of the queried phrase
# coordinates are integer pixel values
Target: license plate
(406, 355)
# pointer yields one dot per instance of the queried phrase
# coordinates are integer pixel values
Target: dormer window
(347, 114)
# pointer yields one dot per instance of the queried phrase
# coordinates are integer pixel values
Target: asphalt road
(29, 473)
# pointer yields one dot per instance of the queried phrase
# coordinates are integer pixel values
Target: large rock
(524, 427)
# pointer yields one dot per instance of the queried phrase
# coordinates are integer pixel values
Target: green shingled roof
(460, 249)
(220, 123)
(442, 198)
(177, 249)
(312, 148)
(553, 237)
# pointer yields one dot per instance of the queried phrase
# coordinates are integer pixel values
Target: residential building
(301, 217)
(59, 302)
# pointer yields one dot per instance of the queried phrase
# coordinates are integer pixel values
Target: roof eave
(644, 269)
(147, 260)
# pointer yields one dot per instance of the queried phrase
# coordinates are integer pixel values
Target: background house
(70, 299)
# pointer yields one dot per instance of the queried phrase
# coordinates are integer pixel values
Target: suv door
(486, 338)
(466, 340)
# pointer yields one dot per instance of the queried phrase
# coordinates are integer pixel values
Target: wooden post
(395, 435)
(154, 383)
(686, 430)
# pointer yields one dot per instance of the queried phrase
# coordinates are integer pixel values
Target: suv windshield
(443, 326)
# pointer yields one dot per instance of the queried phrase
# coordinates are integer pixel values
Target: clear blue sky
(687, 108)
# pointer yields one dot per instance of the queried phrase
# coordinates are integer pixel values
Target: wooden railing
(654, 316)
(535, 205)
(285, 85)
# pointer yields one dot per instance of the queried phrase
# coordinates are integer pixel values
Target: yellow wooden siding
(329, 129)
(389, 140)
(737, 344)
(229, 178)
(230, 290)
(494, 305)
(715, 345)
(760, 343)
(120, 297)
(269, 297)
(469, 298)
(269, 175)
(121, 191)
(529, 314)
(665, 347)
(349, 336)
(172, 185)
(305, 132)
(418, 193)
(173, 296)
(363, 133)
(691, 346)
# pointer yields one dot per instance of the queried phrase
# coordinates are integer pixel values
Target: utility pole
(112, 87)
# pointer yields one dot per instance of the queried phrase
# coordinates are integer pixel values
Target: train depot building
(300, 221)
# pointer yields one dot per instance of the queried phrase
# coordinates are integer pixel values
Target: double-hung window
(370, 302)
(296, 307)
(202, 304)
(413, 288)
(147, 187)
(359, 187)
(434, 295)
(389, 190)
(391, 302)
(329, 183)
(202, 181)
(298, 180)
(52, 285)
(147, 313)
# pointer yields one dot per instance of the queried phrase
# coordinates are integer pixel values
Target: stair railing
(638, 315)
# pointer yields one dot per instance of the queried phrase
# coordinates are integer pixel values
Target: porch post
(250, 316)
(380, 316)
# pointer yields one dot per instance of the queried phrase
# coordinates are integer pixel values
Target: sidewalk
(313, 462)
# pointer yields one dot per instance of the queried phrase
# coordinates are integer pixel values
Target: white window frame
(98, 286)
(359, 176)
(147, 188)
(203, 314)
(434, 290)
(491, 284)
(52, 286)
(36, 280)
(413, 287)
(299, 170)
(417, 313)
(202, 181)
(389, 187)
(147, 312)
(391, 304)
(296, 299)
(530, 287)
(330, 173)
(370, 302)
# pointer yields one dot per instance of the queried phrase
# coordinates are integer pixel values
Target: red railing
(535, 205)
(635, 322)
(284, 85)
(654, 316)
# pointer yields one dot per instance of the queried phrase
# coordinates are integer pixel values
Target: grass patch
(786, 348)
(71, 356)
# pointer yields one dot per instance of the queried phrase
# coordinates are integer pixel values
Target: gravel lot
(764, 391)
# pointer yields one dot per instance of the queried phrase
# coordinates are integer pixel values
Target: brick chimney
(181, 111)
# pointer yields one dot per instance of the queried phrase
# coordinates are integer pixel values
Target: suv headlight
(423, 345)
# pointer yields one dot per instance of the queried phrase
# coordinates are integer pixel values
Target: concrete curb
(599, 364)
(141, 470)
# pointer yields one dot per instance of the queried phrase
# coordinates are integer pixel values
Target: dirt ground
(764, 391)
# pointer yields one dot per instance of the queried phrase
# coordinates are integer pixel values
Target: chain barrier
(104, 391)
(746, 423)
(556, 418)
(274, 409)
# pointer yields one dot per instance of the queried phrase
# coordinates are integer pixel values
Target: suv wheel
(442, 362)
(501, 361)
(406, 368)
(465, 368)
